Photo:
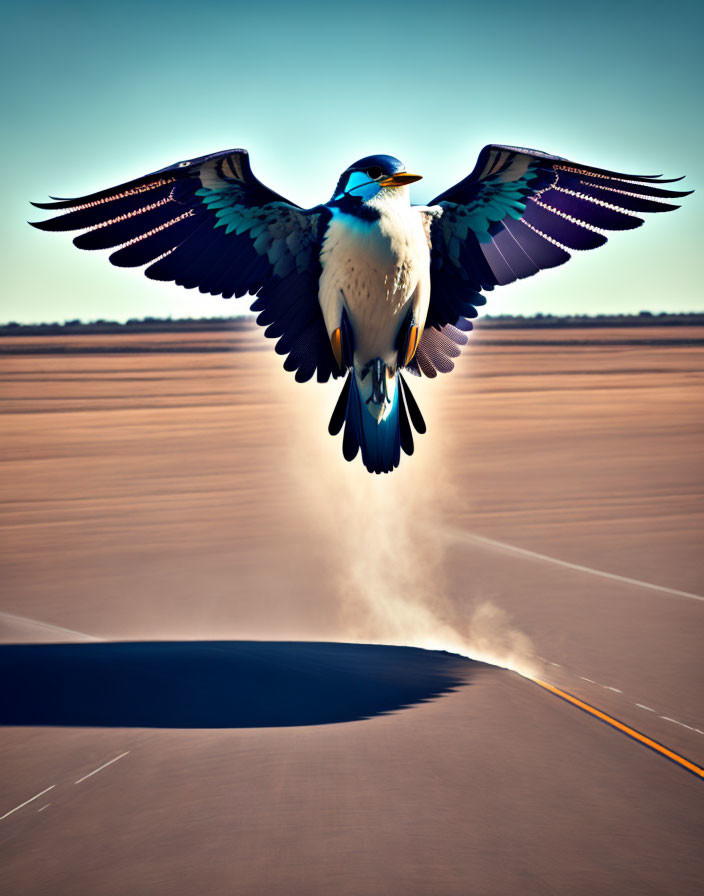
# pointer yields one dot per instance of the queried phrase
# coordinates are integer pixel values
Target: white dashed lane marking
(625, 729)
(608, 687)
(668, 719)
(27, 802)
(51, 787)
(25, 620)
(100, 768)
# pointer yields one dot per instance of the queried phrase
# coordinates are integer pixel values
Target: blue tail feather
(380, 443)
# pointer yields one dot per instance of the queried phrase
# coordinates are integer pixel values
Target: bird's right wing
(519, 211)
(210, 223)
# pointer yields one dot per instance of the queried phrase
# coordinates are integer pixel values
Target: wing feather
(521, 211)
(210, 224)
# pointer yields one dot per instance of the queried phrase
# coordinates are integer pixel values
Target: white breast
(376, 270)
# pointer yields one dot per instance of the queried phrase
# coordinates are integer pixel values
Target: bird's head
(371, 177)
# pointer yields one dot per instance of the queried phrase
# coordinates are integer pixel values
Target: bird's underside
(365, 286)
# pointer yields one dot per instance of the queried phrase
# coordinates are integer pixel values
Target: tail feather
(405, 430)
(413, 409)
(380, 443)
(338, 415)
(353, 435)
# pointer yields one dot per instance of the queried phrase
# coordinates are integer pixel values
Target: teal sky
(96, 94)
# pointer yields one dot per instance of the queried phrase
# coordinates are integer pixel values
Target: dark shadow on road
(218, 684)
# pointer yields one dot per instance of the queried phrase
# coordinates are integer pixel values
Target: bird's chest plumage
(374, 269)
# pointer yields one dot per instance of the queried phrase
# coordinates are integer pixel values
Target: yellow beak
(399, 180)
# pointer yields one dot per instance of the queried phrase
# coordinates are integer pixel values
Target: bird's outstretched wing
(520, 211)
(209, 223)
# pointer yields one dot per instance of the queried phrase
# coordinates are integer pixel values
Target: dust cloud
(383, 538)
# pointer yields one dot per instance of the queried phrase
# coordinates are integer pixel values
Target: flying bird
(365, 286)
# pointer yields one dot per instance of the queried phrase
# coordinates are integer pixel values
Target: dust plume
(385, 551)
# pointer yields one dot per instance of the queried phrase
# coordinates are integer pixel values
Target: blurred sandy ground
(197, 493)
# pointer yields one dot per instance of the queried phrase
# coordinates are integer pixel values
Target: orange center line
(626, 729)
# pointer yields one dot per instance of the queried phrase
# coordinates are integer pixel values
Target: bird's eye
(374, 172)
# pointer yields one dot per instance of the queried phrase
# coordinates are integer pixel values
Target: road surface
(170, 518)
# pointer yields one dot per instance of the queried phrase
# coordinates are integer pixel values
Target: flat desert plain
(234, 663)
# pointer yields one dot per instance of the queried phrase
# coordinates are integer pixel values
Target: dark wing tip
(59, 203)
(658, 178)
(56, 203)
(42, 225)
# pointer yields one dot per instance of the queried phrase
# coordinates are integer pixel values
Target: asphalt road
(159, 544)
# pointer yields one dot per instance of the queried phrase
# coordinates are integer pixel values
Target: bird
(366, 287)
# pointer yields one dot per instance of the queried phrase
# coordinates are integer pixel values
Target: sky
(96, 94)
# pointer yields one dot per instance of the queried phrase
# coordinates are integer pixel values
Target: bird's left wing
(209, 223)
(519, 211)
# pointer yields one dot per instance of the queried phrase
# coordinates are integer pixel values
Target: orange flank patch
(412, 345)
(336, 342)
